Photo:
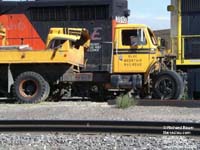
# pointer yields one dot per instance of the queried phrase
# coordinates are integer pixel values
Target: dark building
(164, 34)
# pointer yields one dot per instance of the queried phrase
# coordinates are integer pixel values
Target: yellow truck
(133, 60)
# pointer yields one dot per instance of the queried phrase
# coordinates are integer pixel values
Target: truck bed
(22, 54)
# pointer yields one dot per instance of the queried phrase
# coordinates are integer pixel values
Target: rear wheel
(30, 87)
(47, 91)
(168, 85)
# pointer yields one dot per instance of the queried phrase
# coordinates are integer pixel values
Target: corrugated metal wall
(190, 17)
(189, 6)
(190, 26)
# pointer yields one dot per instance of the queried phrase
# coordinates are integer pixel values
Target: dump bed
(64, 45)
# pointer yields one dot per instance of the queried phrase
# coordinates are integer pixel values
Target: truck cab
(135, 49)
(140, 64)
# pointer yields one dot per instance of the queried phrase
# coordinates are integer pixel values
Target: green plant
(125, 101)
(185, 95)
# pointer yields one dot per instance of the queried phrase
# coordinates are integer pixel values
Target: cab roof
(131, 26)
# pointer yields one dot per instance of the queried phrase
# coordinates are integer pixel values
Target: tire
(168, 85)
(47, 91)
(30, 87)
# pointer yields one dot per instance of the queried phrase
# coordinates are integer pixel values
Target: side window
(153, 38)
(133, 37)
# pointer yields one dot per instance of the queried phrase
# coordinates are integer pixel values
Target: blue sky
(150, 12)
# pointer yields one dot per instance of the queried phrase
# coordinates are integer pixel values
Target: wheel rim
(165, 87)
(28, 88)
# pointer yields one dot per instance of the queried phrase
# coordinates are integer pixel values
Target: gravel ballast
(60, 141)
(96, 111)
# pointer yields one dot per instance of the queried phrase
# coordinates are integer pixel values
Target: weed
(125, 101)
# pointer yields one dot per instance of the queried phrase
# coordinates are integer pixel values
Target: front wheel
(168, 85)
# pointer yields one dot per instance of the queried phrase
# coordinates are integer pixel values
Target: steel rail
(171, 103)
(102, 126)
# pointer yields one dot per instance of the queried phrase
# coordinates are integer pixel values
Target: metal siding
(193, 82)
(192, 48)
(190, 26)
(119, 6)
(189, 6)
(190, 17)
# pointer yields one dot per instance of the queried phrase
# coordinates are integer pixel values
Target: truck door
(132, 53)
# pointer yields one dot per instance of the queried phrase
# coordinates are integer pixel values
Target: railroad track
(102, 126)
(171, 103)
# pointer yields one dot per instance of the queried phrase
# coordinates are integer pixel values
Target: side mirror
(161, 42)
